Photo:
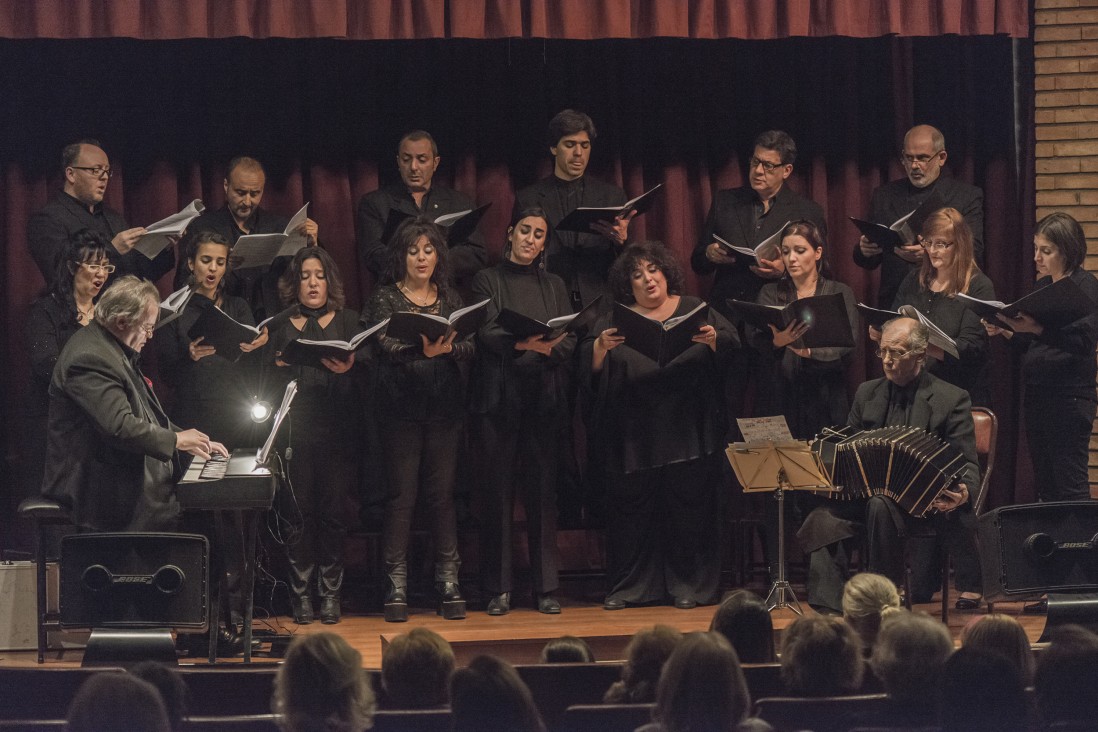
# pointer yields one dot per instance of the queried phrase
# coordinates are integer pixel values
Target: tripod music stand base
(780, 596)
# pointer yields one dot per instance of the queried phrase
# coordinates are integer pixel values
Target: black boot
(396, 597)
(303, 609)
(329, 609)
(452, 605)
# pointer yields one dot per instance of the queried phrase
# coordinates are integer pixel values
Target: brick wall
(1066, 123)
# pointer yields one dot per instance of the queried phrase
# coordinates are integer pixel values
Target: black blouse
(646, 416)
(50, 324)
(1062, 360)
(406, 385)
(505, 380)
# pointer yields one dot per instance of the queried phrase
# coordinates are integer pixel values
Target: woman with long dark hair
(519, 397)
(1058, 367)
(323, 429)
(418, 398)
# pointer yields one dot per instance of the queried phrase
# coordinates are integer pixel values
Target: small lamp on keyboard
(261, 412)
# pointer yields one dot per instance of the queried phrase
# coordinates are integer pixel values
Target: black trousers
(509, 449)
(664, 532)
(1058, 432)
(322, 476)
(421, 455)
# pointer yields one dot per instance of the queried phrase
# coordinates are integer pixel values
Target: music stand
(778, 467)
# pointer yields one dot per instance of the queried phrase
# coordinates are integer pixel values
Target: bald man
(923, 157)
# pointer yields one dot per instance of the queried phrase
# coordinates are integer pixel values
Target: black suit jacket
(110, 452)
(937, 407)
(51, 227)
(466, 257)
(733, 218)
(581, 260)
(899, 198)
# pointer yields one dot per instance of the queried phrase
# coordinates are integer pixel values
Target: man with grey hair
(923, 157)
(112, 455)
(907, 395)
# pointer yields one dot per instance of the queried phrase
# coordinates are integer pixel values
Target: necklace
(85, 315)
(412, 296)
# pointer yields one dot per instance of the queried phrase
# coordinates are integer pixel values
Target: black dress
(519, 403)
(324, 425)
(213, 394)
(959, 323)
(419, 403)
(660, 434)
(1059, 371)
(810, 392)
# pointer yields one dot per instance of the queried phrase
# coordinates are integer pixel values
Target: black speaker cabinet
(1035, 548)
(134, 580)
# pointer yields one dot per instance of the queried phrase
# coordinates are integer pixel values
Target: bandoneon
(907, 464)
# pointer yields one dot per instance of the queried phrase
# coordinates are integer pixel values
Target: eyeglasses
(97, 172)
(148, 329)
(108, 268)
(935, 244)
(896, 354)
(910, 160)
(767, 166)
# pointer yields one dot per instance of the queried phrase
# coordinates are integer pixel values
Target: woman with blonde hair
(1002, 634)
(867, 599)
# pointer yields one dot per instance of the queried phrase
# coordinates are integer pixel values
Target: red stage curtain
(489, 19)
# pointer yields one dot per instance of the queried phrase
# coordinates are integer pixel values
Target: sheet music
(280, 415)
(764, 429)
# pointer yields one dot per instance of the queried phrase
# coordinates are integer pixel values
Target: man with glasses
(907, 395)
(923, 157)
(79, 205)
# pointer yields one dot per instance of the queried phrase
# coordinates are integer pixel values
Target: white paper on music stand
(280, 415)
(763, 429)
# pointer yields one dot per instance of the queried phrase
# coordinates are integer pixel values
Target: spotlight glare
(261, 412)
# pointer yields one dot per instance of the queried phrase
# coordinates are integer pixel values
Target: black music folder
(769, 248)
(877, 318)
(458, 226)
(522, 326)
(306, 352)
(661, 342)
(903, 229)
(826, 316)
(220, 330)
(173, 306)
(407, 327)
(1053, 306)
(580, 219)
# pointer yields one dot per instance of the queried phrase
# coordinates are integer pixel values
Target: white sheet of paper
(764, 429)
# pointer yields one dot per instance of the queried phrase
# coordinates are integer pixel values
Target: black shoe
(396, 604)
(613, 604)
(685, 603)
(547, 604)
(500, 604)
(1036, 608)
(303, 610)
(329, 610)
(967, 603)
(452, 606)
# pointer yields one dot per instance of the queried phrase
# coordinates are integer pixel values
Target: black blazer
(111, 448)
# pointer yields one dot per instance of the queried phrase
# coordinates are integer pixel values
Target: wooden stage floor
(520, 635)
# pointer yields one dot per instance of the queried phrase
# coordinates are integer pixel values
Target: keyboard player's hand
(198, 444)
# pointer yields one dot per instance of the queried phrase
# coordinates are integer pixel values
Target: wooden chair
(233, 723)
(557, 686)
(607, 717)
(763, 679)
(32, 725)
(987, 433)
(412, 720)
(229, 690)
(821, 714)
(31, 693)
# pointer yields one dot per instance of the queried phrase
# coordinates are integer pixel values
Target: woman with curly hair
(659, 432)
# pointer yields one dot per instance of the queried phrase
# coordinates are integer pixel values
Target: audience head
(171, 686)
(645, 656)
(244, 183)
(570, 136)
(771, 162)
(419, 241)
(743, 619)
(628, 271)
(867, 599)
(110, 701)
(1001, 634)
(312, 279)
(982, 691)
(488, 694)
(909, 337)
(821, 656)
(1059, 245)
(923, 155)
(129, 309)
(911, 650)
(83, 267)
(415, 670)
(1067, 675)
(567, 649)
(87, 171)
(526, 236)
(321, 687)
(947, 240)
(702, 686)
(208, 261)
(417, 159)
